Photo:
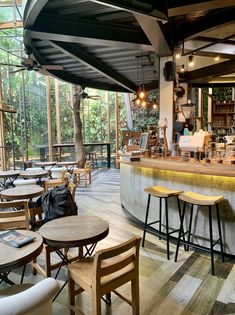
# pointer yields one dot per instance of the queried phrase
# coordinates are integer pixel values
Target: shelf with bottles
(226, 107)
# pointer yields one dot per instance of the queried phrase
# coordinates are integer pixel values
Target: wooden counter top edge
(202, 169)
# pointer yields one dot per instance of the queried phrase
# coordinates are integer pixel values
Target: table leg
(108, 156)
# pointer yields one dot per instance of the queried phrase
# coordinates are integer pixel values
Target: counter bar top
(176, 165)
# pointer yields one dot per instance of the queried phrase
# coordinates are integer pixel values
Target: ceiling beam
(218, 41)
(193, 29)
(210, 72)
(87, 59)
(91, 29)
(76, 79)
(154, 34)
(195, 6)
(90, 32)
(151, 8)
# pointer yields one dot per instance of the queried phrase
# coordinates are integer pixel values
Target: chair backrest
(36, 216)
(87, 166)
(14, 219)
(51, 183)
(72, 188)
(116, 265)
(34, 300)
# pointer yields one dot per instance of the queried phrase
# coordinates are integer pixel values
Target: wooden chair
(51, 183)
(72, 187)
(14, 219)
(86, 172)
(109, 269)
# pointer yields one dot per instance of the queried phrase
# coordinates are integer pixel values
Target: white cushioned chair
(29, 299)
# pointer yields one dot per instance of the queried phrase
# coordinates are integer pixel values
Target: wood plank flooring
(166, 287)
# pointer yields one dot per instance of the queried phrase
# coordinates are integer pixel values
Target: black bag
(58, 202)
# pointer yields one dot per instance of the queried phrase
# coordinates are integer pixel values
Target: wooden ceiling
(116, 44)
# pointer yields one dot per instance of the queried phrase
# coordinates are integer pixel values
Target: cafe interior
(117, 157)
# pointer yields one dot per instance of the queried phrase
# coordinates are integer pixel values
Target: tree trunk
(80, 156)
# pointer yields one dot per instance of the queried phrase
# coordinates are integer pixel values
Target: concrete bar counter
(208, 179)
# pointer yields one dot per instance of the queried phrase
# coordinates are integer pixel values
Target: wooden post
(209, 108)
(108, 114)
(57, 110)
(2, 131)
(49, 118)
(116, 127)
(200, 110)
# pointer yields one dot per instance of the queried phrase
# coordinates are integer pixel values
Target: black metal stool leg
(146, 220)
(180, 231)
(220, 234)
(190, 225)
(160, 217)
(167, 230)
(211, 242)
(180, 214)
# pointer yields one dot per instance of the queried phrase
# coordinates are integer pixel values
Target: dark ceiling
(116, 44)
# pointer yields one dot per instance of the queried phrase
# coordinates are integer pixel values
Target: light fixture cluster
(143, 101)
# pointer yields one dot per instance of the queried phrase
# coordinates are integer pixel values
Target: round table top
(13, 257)
(22, 192)
(66, 163)
(74, 231)
(34, 173)
(43, 164)
(4, 174)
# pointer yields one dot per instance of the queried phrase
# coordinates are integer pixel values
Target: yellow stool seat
(201, 200)
(162, 192)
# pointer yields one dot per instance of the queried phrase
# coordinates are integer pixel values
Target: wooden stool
(162, 193)
(91, 156)
(200, 200)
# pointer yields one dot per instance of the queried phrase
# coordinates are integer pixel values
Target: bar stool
(162, 193)
(200, 200)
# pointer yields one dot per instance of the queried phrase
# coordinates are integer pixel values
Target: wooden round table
(11, 175)
(74, 231)
(12, 257)
(22, 192)
(44, 164)
(34, 173)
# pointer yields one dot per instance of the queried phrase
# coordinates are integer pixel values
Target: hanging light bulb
(143, 104)
(137, 101)
(191, 60)
(177, 55)
(155, 106)
(182, 68)
(217, 58)
(142, 93)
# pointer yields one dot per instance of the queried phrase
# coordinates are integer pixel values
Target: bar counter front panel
(186, 176)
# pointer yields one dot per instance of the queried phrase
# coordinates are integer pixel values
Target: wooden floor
(166, 287)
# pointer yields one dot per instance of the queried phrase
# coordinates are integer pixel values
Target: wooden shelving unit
(223, 115)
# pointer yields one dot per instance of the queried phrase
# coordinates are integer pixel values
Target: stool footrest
(158, 233)
(154, 222)
(197, 246)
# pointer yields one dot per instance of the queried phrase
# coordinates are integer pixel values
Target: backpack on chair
(58, 202)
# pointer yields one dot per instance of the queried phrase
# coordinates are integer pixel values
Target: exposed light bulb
(138, 101)
(144, 104)
(217, 58)
(191, 61)
(177, 55)
(155, 106)
(142, 94)
(182, 68)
